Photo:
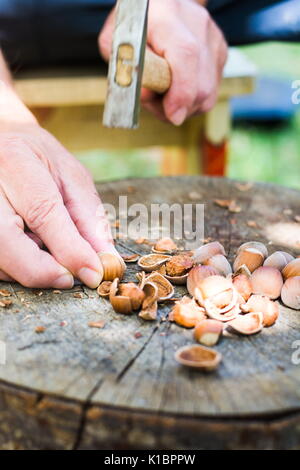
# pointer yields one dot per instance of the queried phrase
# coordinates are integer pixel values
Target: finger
(35, 196)
(179, 101)
(35, 238)
(106, 35)
(5, 277)
(21, 258)
(86, 210)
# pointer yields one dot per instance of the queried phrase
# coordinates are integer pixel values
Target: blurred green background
(269, 154)
(257, 152)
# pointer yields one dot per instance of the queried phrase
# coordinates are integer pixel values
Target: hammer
(132, 65)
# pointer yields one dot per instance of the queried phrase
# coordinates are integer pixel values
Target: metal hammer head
(126, 65)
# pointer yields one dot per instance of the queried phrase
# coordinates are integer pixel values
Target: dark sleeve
(249, 21)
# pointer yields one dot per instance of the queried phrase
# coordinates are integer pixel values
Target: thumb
(106, 35)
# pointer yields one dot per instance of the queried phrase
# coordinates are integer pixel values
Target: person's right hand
(47, 197)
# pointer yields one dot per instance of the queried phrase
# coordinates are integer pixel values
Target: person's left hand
(183, 32)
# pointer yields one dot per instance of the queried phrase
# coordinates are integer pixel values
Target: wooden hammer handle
(157, 73)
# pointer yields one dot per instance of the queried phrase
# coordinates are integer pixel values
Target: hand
(47, 197)
(183, 32)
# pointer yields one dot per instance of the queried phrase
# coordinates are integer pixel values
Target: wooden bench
(69, 103)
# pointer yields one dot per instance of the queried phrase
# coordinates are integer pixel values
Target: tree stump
(119, 387)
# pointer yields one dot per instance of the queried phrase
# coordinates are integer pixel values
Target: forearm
(12, 111)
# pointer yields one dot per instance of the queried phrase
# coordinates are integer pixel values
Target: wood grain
(79, 387)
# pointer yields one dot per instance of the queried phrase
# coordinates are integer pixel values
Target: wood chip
(233, 207)
(244, 186)
(4, 303)
(140, 241)
(130, 258)
(229, 204)
(116, 224)
(96, 324)
(5, 293)
(56, 291)
(194, 196)
(40, 329)
(78, 295)
(252, 224)
(225, 203)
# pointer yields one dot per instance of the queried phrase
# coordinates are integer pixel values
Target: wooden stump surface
(119, 387)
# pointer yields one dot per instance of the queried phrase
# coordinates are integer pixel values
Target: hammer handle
(157, 73)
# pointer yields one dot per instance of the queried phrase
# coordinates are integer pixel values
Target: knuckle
(190, 48)
(40, 212)
(11, 143)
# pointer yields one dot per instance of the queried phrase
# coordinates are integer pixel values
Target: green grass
(271, 155)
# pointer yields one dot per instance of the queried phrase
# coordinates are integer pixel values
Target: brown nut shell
(113, 266)
(152, 262)
(250, 257)
(187, 313)
(248, 324)
(198, 357)
(267, 281)
(290, 293)
(254, 245)
(207, 251)
(149, 306)
(196, 276)
(165, 245)
(165, 288)
(278, 260)
(292, 269)
(243, 285)
(260, 303)
(220, 263)
(119, 304)
(104, 289)
(208, 332)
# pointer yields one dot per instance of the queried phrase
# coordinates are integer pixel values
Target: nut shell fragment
(250, 257)
(104, 289)
(260, 303)
(248, 324)
(165, 245)
(205, 252)
(165, 288)
(208, 332)
(196, 276)
(292, 269)
(152, 262)
(220, 263)
(254, 245)
(198, 357)
(187, 313)
(125, 298)
(149, 306)
(243, 285)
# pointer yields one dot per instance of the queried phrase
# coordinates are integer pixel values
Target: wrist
(13, 112)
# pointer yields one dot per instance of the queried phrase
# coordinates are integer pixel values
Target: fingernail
(179, 116)
(65, 281)
(90, 277)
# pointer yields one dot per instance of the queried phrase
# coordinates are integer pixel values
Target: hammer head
(126, 65)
